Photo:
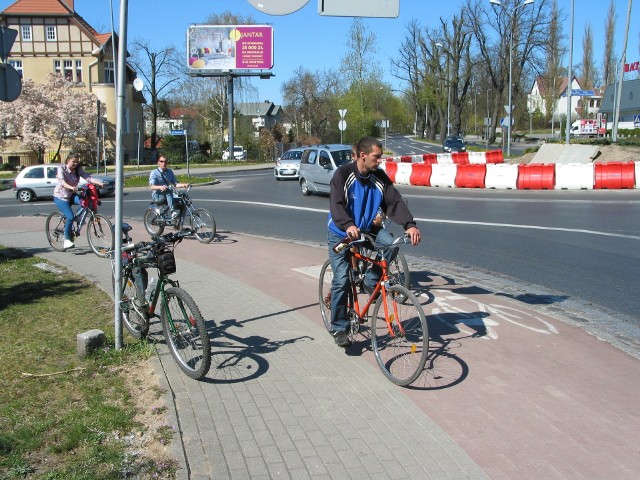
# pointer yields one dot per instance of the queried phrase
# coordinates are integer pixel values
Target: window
(109, 72)
(35, 173)
(57, 66)
(17, 64)
(68, 70)
(79, 71)
(51, 33)
(26, 33)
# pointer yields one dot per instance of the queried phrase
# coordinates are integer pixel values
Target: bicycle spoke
(400, 337)
(324, 293)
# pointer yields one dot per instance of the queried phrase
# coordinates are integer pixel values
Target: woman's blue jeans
(65, 208)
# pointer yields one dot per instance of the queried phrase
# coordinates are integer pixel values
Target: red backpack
(91, 198)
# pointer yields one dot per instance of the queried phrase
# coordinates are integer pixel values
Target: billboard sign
(218, 48)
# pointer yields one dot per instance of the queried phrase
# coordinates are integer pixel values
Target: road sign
(359, 8)
(278, 7)
(636, 121)
(177, 132)
(506, 109)
(10, 83)
(7, 37)
(342, 125)
(342, 112)
(505, 122)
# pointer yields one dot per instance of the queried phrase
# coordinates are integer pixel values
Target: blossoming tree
(54, 114)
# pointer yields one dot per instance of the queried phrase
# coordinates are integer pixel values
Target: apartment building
(53, 37)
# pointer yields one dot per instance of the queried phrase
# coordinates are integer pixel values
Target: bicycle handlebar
(347, 242)
(158, 241)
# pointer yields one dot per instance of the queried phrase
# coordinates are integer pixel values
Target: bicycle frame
(381, 287)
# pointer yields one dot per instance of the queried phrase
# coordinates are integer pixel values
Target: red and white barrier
(487, 170)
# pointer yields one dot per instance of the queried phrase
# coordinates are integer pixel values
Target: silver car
(318, 164)
(38, 181)
(288, 165)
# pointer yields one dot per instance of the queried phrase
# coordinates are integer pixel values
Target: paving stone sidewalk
(514, 387)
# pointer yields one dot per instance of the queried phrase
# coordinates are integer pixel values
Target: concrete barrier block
(90, 341)
(574, 176)
(501, 176)
(403, 174)
(443, 175)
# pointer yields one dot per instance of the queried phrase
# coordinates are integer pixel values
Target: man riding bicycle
(359, 189)
(160, 182)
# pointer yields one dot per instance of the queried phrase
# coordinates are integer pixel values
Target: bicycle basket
(166, 262)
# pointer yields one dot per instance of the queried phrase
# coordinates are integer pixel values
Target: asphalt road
(578, 245)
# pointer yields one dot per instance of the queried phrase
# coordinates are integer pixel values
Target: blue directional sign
(579, 93)
(177, 132)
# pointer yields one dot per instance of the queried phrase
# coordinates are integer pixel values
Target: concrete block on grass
(90, 341)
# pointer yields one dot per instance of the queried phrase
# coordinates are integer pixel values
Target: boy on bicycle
(359, 189)
(160, 182)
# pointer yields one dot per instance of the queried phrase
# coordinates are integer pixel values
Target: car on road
(454, 144)
(239, 153)
(317, 165)
(38, 181)
(288, 165)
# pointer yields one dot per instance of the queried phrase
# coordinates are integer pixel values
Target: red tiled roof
(43, 7)
(179, 112)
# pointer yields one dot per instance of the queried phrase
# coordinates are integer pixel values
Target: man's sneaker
(342, 339)
(68, 244)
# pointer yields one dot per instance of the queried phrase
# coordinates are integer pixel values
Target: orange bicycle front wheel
(399, 335)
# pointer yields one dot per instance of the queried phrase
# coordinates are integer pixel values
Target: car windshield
(454, 141)
(340, 157)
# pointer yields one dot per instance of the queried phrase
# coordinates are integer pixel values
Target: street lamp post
(488, 126)
(511, 18)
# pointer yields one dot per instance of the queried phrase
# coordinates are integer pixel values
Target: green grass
(143, 180)
(61, 416)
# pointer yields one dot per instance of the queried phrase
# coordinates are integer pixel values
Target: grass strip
(61, 416)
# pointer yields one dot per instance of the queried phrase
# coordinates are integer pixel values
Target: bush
(199, 158)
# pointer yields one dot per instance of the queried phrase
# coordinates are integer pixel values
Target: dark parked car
(454, 144)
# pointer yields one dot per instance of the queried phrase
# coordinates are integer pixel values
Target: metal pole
(510, 82)
(120, 108)
(230, 101)
(138, 155)
(186, 148)
(488, 127)
(569, 82)
(614, 133)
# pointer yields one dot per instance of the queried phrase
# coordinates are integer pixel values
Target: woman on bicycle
(66, 192)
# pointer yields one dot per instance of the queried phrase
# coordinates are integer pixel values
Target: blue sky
(318, 42)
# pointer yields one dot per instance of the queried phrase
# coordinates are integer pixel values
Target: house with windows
(629, 112)
(582, 106)
(261, 115)
(53, 37)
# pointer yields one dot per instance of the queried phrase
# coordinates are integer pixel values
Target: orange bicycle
(398, 330)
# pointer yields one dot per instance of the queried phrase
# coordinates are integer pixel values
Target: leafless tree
(609, 60)
(308, 98)
(163, 71)
(493, 27)
(588, 70)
